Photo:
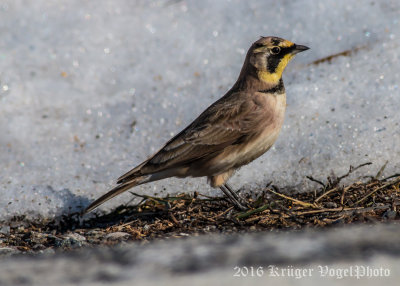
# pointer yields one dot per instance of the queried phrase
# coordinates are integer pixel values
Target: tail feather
(114, 192)
(135, 172)
(126, 185)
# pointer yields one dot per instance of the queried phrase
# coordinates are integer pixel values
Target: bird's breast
(269, 131)
(262, 139)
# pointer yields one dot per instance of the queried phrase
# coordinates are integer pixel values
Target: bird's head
(270, 55)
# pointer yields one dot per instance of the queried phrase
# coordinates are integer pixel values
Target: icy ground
(89, 89)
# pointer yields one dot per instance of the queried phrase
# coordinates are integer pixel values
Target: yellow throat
(274, 77)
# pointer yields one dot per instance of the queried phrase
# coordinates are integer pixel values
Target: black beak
(299, 48)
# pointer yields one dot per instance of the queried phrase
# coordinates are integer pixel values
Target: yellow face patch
(286, 44)
(274, 78)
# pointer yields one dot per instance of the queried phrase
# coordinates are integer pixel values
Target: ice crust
(89, 89)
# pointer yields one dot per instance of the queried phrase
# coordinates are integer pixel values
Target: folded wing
(222, 124)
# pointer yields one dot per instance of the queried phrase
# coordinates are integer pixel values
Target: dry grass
(332, 203)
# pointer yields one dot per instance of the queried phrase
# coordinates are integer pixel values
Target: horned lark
(232, 132)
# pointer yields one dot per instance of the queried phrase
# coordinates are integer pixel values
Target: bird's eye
(275, 50)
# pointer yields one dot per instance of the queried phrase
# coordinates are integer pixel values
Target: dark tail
(114, 192)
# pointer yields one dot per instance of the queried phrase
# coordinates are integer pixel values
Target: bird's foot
(234, 198)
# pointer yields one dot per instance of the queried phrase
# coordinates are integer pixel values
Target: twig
(341, 210)
(206, 218)
(331, 191)
(173, 218)
(342, 196)
(150, 197)
(363, 210)
(210, 198)
(376, 190)
(304, 204)
(251, 212)
(381, 170)
(119, 227)
(315, 180)
(331, 57)
(326, 210)
(134, 206)
(391, 177)
(352, 169)
(223, 213)
(325, 194)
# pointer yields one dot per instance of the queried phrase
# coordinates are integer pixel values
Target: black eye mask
(274, 60)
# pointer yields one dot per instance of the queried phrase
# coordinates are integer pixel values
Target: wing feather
(222, 124)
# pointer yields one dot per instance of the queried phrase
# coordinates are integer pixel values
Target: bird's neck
(253, 80)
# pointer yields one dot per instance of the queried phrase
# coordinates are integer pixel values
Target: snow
(89, 89)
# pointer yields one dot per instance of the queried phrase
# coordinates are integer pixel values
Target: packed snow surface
(89, 89)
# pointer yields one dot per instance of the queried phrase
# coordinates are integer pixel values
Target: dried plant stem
(376, 190)
(251, 212)
(304, 204)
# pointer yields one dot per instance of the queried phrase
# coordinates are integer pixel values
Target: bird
(233, 131)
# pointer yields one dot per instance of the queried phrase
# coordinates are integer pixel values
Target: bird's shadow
(71, 217)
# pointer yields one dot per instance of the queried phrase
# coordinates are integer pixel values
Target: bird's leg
(233, 197)
(230, 189)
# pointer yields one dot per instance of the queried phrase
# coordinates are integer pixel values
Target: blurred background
(89, 89)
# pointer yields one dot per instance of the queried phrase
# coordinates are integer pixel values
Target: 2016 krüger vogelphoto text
(353, 271)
